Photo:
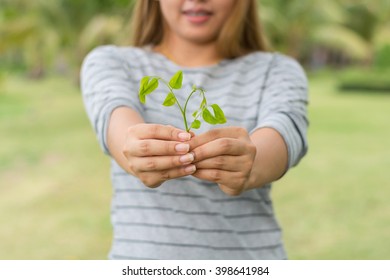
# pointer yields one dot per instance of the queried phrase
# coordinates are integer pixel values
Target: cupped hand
(224, 156)
(156, 153)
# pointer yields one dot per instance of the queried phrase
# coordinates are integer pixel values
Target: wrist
(256, 179)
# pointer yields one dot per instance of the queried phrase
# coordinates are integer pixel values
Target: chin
(200, 39)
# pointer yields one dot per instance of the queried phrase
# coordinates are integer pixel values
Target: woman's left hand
(224, 156)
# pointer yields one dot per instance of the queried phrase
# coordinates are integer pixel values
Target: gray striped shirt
(188, 218)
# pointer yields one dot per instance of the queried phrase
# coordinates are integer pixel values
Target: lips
(197, 16)
(197, 13)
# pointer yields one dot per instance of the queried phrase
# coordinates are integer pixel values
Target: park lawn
(55, 189)
(334, 205)
(54, 181)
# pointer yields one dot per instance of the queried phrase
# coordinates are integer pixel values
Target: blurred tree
(371, 20)
(298, 27)
(42, 33)
(26, 38)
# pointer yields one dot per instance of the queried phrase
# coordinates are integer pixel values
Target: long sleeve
(283, 106)
(106, 84)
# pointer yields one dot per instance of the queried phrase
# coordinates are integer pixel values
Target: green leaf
(219, 114)
(195, 113)
(208, 117)
(150, 86)
(143, 83)
(196, 124)
(142, 98)
(169, 100)
(177, 80)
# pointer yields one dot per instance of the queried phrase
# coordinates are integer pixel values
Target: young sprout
(149, 83)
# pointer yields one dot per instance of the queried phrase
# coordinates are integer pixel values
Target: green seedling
(149, 83)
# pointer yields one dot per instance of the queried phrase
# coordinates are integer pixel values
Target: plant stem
(183, 111)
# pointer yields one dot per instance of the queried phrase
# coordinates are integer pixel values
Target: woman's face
(196, 21)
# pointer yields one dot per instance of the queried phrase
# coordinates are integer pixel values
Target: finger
(229, 182)
(154, 179)
(226, 132)
(147, 148)
(232, 191)
(213, 175)
(228, 163)
(160, 163)
(192, 133)
(158, 131)
(222, 146)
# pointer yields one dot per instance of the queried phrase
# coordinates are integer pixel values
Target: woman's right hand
(156, 153)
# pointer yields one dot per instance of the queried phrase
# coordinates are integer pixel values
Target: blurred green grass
(54, 182)
(55, 189)
(334, 205)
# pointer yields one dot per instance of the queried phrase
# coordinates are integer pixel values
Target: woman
(178, 195)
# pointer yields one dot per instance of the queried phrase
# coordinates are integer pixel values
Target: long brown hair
(241, 34)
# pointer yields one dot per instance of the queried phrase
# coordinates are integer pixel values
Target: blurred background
(54, 181)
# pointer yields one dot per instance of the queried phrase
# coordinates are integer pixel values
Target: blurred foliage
(382, 58)
(38, 36)
(365, 79)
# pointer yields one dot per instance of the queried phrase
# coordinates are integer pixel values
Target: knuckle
(230, 191)
(155, 129)
(220, 162)
(165, 175)
(215, 175)
(144, 147)
(225, 144)
(172, 132)
(150, 164)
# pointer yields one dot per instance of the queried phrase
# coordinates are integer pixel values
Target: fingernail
(182, 147)
(190, 169)
(187, 158)
(184, 136)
